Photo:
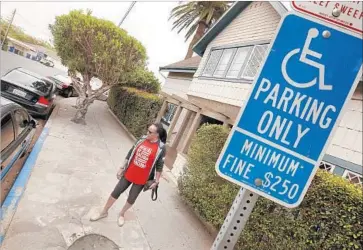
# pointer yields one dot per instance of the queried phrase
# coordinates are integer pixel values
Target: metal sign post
(236, 220)
(285, 126)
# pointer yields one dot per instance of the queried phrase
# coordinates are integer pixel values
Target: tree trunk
(86, 97)
(202, 27)
(83, 101)
(82, 108)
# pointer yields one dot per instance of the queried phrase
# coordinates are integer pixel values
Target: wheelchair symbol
(312, 33)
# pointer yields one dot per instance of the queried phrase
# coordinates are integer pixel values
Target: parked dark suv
(32, 91)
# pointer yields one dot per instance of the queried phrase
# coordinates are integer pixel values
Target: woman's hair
(161, 131)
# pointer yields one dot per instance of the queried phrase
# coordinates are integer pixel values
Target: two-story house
(231, 53)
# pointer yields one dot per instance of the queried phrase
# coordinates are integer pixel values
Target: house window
(353, 178)
(223, 63)
(255, 61)
(326, 166)
(212, 62)
(238, 62)
(235, 63)
(168, 117)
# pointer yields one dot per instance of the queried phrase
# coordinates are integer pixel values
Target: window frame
(170, 114)
(4, 150)
(16, 126)
(250, 49)
(230, 60)
(240, 77)
(249, 59)
(208, 59)
(345, 175)
(332, 166)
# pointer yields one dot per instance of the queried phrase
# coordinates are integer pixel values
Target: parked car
(17, 131)
(64, 85)
(34, 92)
(47, 62)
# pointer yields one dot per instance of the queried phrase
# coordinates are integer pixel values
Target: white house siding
(230, 93)
(177, 85)
(347, 141)
(258, 22)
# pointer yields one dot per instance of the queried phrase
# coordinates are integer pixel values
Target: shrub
(329, 217)
(141, 79)
(134, 108)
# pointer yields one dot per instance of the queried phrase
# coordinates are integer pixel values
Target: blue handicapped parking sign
(294, 105)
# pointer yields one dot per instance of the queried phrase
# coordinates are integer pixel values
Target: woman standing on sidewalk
(144, 162)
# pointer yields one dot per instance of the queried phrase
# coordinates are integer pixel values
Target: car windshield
(27, 80)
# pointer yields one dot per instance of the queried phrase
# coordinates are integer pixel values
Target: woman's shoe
(121, 221)
(98, 216)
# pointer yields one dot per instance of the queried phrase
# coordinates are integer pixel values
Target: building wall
(347, 141)
(21, 49)
(178, 84)
(226, 109)
(256, 23)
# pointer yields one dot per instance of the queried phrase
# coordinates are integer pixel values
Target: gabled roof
(189, 65)
(226, 19)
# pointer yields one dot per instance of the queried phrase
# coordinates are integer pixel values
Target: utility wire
(127, 12)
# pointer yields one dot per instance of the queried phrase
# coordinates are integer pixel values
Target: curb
(122, 125)
(210, 228)
(11, 202)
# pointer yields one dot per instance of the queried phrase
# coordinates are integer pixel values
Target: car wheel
(69, 93)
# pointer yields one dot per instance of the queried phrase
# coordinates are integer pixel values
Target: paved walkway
(74, 174)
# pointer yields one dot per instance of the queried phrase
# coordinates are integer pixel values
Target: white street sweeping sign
(284, 127)
(345, 14)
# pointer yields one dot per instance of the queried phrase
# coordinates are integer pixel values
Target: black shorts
(122, 185)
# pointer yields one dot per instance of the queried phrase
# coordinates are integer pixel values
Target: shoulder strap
(154, 193)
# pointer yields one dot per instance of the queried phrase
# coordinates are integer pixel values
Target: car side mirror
(27, 123)
(33, 123)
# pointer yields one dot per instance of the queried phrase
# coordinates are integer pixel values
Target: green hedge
(142, 79)
(134, 108)
(330, 217)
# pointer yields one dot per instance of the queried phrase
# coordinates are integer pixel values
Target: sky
(147, 22)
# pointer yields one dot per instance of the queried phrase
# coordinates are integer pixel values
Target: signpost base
(236, 220)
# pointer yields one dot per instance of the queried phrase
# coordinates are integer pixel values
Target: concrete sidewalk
(74, 175)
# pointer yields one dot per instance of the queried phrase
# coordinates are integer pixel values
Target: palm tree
(197, 17)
